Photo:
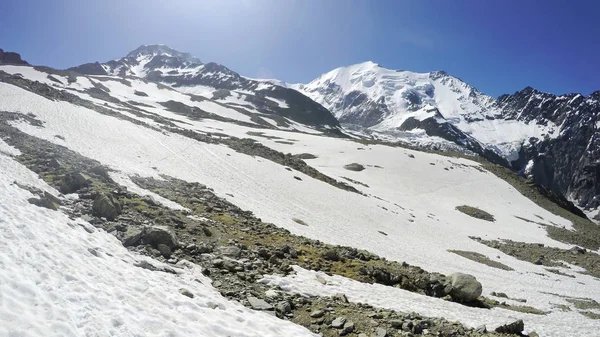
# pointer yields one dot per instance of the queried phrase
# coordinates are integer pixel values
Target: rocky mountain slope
(161, 64)
(127, 206)
(552, 139)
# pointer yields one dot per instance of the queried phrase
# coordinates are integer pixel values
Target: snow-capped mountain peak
(368, 94)
(152, 50)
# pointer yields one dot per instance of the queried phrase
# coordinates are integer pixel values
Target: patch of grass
(477, 257)
(584, 303)
(225, 218)
(519, 308)
(475, 213)
(547, 256)
(590, 314)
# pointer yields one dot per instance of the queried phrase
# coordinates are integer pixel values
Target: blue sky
(497, 46)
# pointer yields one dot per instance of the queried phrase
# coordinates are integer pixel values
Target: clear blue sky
(499, 46)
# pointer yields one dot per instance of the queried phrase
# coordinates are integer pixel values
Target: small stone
(533, 334)
(513, 328)
(258, 304)
(230, 251)
(348, 328)
(354, 167)
(164, 250)
(397, 324)
(317, 314)
(338, 323)
(481, 329)
(341, 297)
(186, 292)
(283, 307)
(380, 332)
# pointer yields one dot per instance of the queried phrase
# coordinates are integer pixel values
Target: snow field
(65, 278)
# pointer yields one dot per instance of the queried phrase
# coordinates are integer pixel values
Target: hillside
(133, 207)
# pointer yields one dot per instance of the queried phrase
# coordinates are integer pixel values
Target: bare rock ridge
(187, 73)
(11, 58)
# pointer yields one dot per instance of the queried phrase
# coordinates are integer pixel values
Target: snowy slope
(63, 277)
(413, 200)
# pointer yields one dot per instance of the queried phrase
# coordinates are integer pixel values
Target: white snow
(65, 278)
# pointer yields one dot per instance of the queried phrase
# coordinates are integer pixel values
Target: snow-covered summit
(187, 74)
(162, 50)
(368, 94)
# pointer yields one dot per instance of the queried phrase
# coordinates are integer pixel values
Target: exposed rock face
(186, 71)
(11, 58)
(569, 164)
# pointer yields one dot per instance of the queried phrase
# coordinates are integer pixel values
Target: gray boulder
(258, 304)
(354, 167)
(230, 251)
(106, 206)
(74, 181)
(132, 236)
(158, 235)
(465, 287)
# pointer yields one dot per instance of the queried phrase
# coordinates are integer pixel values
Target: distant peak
(161, 50)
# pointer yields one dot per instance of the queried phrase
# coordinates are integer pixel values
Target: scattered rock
(512, 328)
(283, 307)
(158, 235)
(317, 314)
(106, 207)
(465, 287)
(132, 236)
(47, 201)
(339, 322)
(297, 178)
(347, 328)
(258, 304)
(74, 181)
(164, 250)
(380, 332)
(186, 292)
(503, 295)
(354, 167)
(230, 251)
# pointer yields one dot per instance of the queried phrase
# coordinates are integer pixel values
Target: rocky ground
(235, 249)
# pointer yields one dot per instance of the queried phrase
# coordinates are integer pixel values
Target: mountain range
(551, 139)
(161, 195)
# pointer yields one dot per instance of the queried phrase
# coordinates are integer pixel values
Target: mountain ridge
(186, 73)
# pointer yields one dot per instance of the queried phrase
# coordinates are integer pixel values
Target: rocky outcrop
(11, 58)
(569, 164)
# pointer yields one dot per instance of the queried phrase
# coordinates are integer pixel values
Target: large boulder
(465, 287)
(73, 181)
(159, 236)
(105, 206)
